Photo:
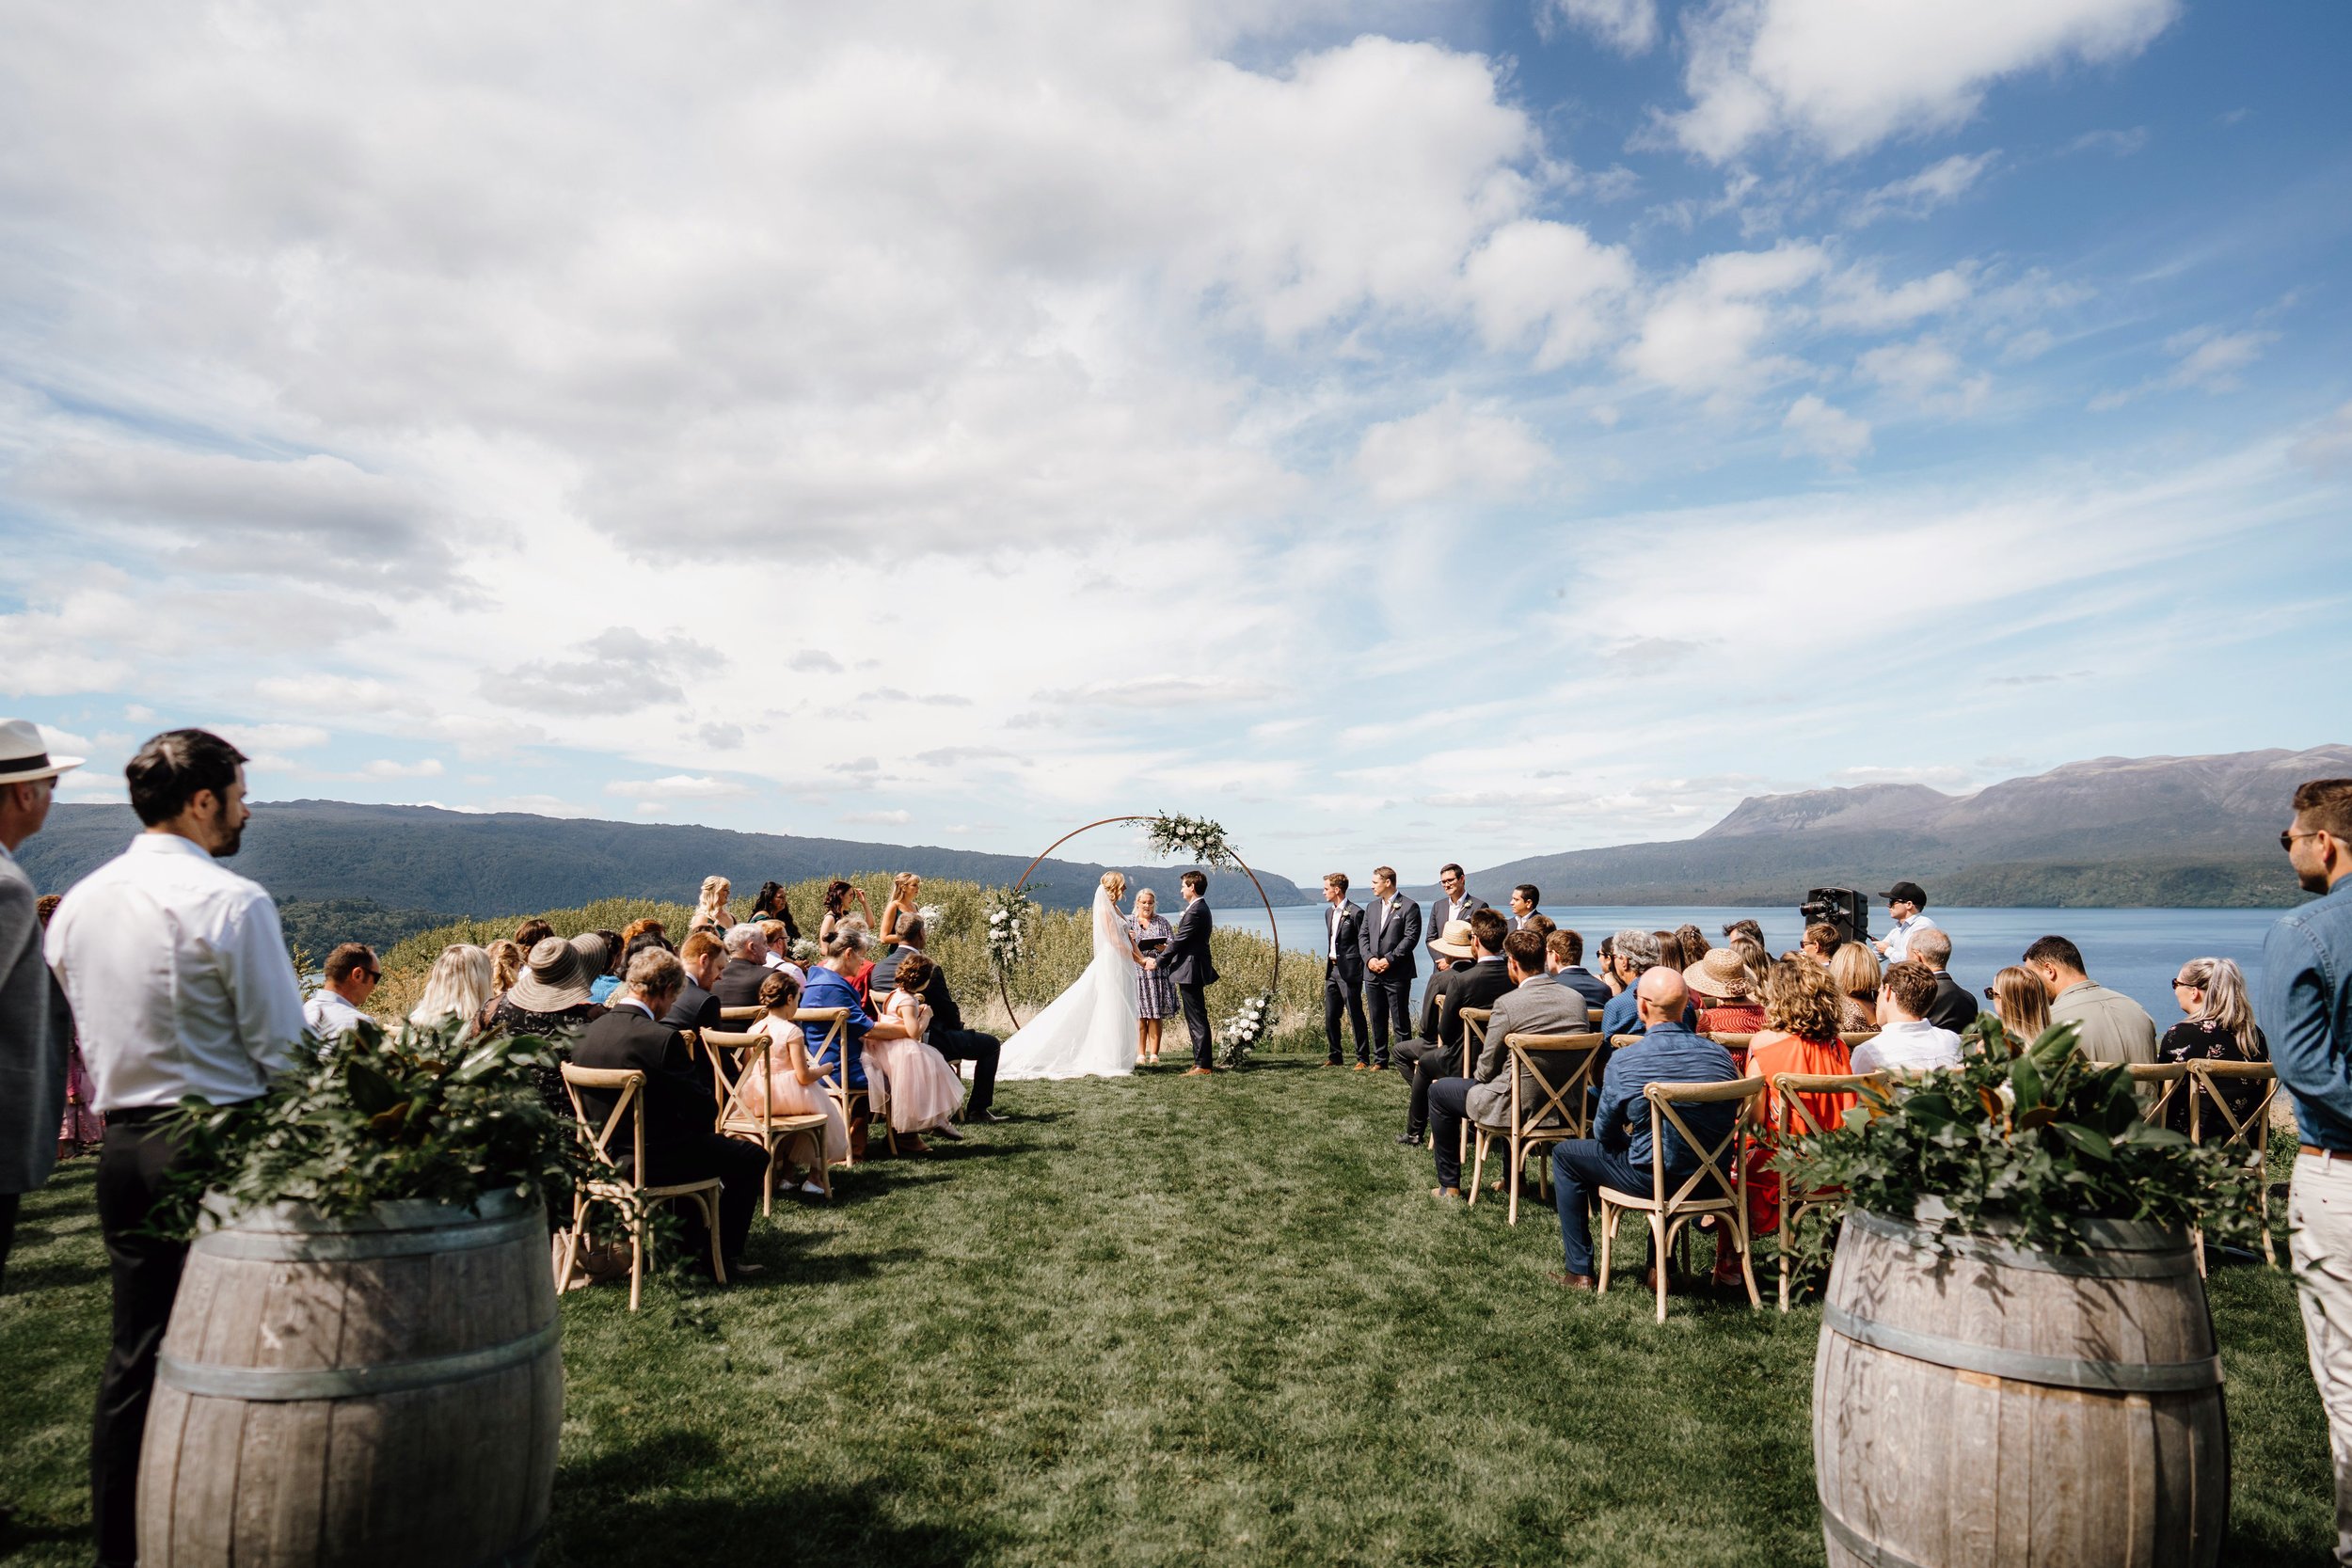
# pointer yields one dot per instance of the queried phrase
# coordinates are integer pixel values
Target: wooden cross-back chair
(1717, 1186)
(828, 1029)
(2169, 1080)
(775, 1132)
(1852, 1037)
(1474, 1042)
(1549, 1075)
(628, 1194)
(2213, 1123)
(740, 1015)
(1736, 1044)
(1793, 1115)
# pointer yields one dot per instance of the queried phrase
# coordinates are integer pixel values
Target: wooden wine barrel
(382, 1390)
(1982, 1405)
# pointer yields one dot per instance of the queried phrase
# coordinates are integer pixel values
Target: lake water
(2133, 951)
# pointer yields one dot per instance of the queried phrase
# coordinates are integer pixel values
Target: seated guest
(1855, 969)
(1745, 931)
(1619, 1157)
(2021, 1004)
(1906, 1041)
(2219, 1027)
(1801, 1013)
(1822, 943)
(1953, 1007)
(638, 927)
(909, 1080)
(1476, 983)
(702, 960)
(1632, 955)
(1726, 997)
(1564, 958)
(506, 963)
(458, 986)
(2114, 1028)
(784, 1076)
(948, 1036)
(778, 940)
(829, 986)
(531, 933)
(1607, 955)
(1670, 952)
(746, 967)
(549, 998)
(1459, 949)
(351, 975)
(1535, 1004)
(604, 985)
(1693, 941)
(1541, 924)
(679, 1113)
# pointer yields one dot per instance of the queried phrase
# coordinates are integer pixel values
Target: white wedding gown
(1089, 1031)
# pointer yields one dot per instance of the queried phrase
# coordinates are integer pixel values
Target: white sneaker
(812, 1189)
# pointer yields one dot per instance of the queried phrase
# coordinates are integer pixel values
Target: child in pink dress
(785, 1074)
(923, 1090)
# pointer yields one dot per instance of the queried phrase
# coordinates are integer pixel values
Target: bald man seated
(1619, 1157)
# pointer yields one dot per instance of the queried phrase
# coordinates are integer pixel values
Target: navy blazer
(1350, 943)
(1186, 960)
(1396, 941)
(1434, 928)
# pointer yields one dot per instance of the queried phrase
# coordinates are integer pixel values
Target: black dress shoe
(1410, 1140)
(991, 1114)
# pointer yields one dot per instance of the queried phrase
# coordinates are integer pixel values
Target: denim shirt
(1667, 1054)
(2305, 1006)
(827, 990)
(1622, 1015)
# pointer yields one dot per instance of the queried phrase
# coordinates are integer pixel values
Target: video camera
(1847, 909)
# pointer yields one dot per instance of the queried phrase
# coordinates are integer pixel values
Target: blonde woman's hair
(2225, 1005)
(1855, 969)
(1143, 892)
(459, 986)
(905, 882)
(2024, 1007)
(713, 899)
(1115, 883)
(506, 962)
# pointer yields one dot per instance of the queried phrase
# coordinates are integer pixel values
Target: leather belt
(2318, 1153)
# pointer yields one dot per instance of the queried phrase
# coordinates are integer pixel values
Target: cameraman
(1904, 902)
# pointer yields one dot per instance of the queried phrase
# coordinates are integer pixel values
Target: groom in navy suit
(1189, 968)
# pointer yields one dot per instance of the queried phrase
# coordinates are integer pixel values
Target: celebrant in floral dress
(1155, 995)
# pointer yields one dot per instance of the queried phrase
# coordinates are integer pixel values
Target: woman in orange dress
(1801, 1013)
(784, 1073)
(923, 1087)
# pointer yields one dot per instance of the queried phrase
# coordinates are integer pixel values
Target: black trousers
(741, 1168)
(1390, 999)
(1449, 1101)
(9, 1205)
(981, 1050)
(1342, 995)
(1195, 1005)
(132, 1166)
(1427, 1061)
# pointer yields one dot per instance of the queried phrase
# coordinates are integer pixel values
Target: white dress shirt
(328, 1015)
(1908, 1045)
(179, 976)
(1897, 945)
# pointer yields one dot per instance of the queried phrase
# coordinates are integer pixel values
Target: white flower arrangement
(1244, 1028)
(1200, 839)
(805, 951)
(1010, 914)
(930, 915)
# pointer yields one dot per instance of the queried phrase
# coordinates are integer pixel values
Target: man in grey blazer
(36, 1026)
(1388, 936)
(1534, 1005)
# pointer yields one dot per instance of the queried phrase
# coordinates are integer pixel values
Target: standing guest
(1531, 1003)
(1342, 972)
(839, 895)
(906, 896)
(909, 1080)
(2306, 1008)
(1953, 1007)
(2219, 1027)
(746, 967)
(549, 998)
(783, 1074)
(948, 1036)
(1855, 969)
(531, 933)
(772, 904)
(1524, 898)
(350, 977)
(2114, 1028)
(697, 1005)
(36, 1026)
(83, 1128)
(1454, 903)
(1906, 1041)
(458, 986)
(679, 1113)
(600, 990)
(1619, 1156)
(1725, 996)
(179, 977)
(1822, 943)
(1391, 935)
(1632, 954)
(1155, 995)
(1481, 975)
(1800, 1034)
(1904, 902)
(2020, 1003)
(1563, 957)
(710, 907)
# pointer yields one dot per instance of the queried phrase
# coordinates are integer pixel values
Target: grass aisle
(1157, 1321)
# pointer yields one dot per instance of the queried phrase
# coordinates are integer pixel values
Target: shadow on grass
(619, 1508)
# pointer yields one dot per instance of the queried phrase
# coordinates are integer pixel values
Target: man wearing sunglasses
(2305, 1008)
(351, 975)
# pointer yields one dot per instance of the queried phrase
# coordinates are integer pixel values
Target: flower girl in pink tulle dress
(922, 1089)
(786, 1076)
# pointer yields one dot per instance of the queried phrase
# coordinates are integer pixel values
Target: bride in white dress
(1089, 1031)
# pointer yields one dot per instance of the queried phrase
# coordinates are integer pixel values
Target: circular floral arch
(1203, 841)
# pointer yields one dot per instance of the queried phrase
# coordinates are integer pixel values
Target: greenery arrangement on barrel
(372, 1117)
(2026, 1143)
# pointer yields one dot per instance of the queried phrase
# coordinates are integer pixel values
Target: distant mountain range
(2110, 832)
(420, 860)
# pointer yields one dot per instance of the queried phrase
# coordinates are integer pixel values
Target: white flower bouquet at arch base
(1009, 916)
(1244, 1029)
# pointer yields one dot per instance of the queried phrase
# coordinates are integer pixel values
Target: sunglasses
(2288, 835)
(2178, 984)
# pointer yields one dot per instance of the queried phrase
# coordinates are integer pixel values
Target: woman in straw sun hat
(35, 1027)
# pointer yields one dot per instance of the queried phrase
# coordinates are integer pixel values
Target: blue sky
(1405, 432)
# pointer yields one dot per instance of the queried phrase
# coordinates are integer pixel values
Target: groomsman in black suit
(1343, 968)
(1524, 898)
(1387, 936)
(1189, 968)
(1457, 903)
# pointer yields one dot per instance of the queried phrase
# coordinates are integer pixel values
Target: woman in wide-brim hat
(1456, 942)
(1727, 1001)
(549, 998)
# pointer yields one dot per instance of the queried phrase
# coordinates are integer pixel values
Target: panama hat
(1455, 942)
(1718, 974)
(557, 974)
(25, 755)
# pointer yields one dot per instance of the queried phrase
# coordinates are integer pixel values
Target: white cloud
(2205, 359)
(1550, 283)
(383, 768)
(1628, 27)
(620, 671)
(1845, 75)
(325, 692)
(676, 787)
(272, 737)
(64, 743)
(2326, 445)
(1704, 333)
(1448, 451)
(1927, 373)
(1816, 428)
(2123, 144)
(878, 818)
(1150, 691)
(1939, 184)
(1855, 300)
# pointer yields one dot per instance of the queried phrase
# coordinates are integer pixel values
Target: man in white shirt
(351, 975)
(1906, 1042)
(181, 985)
(1904, 902)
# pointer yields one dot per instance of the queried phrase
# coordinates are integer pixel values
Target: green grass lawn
(1160, 1320)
